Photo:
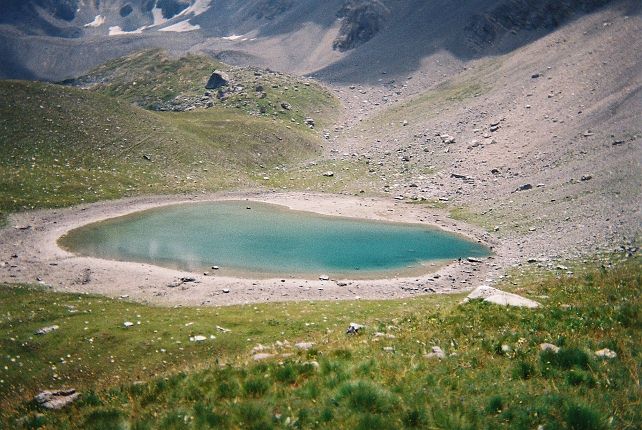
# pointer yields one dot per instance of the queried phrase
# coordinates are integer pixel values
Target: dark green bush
(255, 387)
(582, 418)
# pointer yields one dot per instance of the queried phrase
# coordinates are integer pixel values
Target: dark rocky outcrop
(269, 9)
(515, 15)
(362, 20)
(172, 8)
(126, 10)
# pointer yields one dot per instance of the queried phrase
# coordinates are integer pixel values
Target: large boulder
(56, 399)
(499, 297)
(217, 80)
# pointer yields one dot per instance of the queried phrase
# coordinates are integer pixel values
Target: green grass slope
(152, 79)
(151, 376)
(61, 146)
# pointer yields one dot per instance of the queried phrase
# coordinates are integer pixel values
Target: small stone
(437, 352)
(506, 348)
(324, 278)
(606, 353)
(524, 187)
(388, 349)
(197, 338)
(535, 75)
(354, 328)
(223, 329)
(304, 346)
(128, 324)
(585, 178)
(226, 290)
(262, 356)
(328, 174)
(46, 330)
(549, 347)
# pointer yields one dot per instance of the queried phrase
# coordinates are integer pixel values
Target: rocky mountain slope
(344, 40)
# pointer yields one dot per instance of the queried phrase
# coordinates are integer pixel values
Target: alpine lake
(251, 239)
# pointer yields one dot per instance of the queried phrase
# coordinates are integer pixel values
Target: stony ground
(541, 146)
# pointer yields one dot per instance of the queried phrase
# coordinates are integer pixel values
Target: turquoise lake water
(265, 239)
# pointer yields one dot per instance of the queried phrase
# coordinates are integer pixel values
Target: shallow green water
(265, 239)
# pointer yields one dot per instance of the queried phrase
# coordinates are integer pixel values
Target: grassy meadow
(151, 376)
(80, 146)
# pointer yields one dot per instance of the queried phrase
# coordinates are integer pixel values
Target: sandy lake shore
(29, 253)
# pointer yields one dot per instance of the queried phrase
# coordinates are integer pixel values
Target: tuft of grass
(580, 417)
(566, 358)
(108, 419)
(254, 416)
(206, 417)
(416, 418)
(523, 370)
(255, 387)
(495, 405)
(365, 396)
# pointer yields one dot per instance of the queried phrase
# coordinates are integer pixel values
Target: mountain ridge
(303, 37)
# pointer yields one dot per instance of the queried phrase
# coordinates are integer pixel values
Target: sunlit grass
(495, 376)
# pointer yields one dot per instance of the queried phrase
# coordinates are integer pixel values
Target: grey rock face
(57, 399)
(362, 20)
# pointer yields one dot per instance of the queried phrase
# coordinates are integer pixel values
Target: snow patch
(232, 37)
(97, 22)
(199, 7)
(181, 27)
(157, 14)
(117, 31)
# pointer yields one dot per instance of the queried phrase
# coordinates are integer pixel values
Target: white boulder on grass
(499, 297)
(549, 347)
(56, 399)
(606, 353)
